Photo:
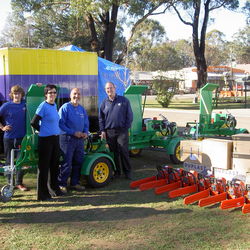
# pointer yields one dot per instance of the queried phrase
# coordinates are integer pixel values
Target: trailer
(150, 133)
(210, 123)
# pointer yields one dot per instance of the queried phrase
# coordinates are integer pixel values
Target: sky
(225, 21)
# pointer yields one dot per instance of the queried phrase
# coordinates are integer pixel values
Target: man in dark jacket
(115, 118)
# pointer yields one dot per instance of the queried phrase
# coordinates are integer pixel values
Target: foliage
(100, 17)
(240, 48)
(216, 52)
(165, 90)
(140, 50)
(185, 52)
(152, 52)
(47, 28)
(198, 12)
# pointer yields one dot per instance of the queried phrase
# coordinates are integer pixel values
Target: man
(115, 118)
(13, 114)
(74, 124)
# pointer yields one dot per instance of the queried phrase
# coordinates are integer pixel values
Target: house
(187, 77)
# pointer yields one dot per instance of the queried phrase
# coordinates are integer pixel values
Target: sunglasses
(52, 92)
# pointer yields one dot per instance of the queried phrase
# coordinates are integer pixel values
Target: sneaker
(63, 190)
(77, 187)
(22, 187)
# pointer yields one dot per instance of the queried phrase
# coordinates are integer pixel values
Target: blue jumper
(14, 115)
(115, 114)
(73, 119)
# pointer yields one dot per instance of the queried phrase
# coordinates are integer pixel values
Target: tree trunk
(199, 44)
(109, 24)
(95, 45)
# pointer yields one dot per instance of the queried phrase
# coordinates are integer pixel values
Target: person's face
(51, 96)
(75, 96)
(110, 90)
(17, 97)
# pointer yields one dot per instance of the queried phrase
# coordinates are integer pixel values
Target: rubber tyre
(176, 157)
(7, 193)
(231, 123)
(101, 172)
(135, 152)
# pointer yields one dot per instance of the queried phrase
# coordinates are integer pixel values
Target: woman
(13, 114)
(46, 121)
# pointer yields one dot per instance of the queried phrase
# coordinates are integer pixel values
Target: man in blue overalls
(115, 118)
(74, 124)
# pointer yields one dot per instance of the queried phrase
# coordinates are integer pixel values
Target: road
(181, 117)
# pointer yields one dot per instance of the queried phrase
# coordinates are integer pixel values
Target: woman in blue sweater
(13, 114)
(46, 121)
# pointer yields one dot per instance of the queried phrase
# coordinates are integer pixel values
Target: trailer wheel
(176, 157)
(100, 172)
(7, 193)
(135, 152)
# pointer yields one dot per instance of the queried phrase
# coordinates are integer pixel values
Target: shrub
(165, 89)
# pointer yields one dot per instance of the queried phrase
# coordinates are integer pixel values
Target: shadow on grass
(98, 214)
(116, 194)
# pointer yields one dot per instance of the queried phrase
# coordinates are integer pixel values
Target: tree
(199, 11)
(185, 52)
(16, 32)
(141, 46)
(239, 49)
(163, 57)
(101, 17)
(246, 10)
(47, 28)
(216, 53)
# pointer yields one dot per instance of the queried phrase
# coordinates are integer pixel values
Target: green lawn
(187, 103)
(116, 217)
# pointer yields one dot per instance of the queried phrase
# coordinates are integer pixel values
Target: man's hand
(78, 134)
(103, 135)
(84, 135)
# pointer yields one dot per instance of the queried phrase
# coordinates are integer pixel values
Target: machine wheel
(231, 122)
(135, 152)
(100, 172)
(176, 157)
(7, 192)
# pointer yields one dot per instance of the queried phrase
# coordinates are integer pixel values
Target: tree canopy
(98, 25)
(99, 16)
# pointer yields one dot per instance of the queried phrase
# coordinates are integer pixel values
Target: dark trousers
(72, 149)
(10, 144)
(48, 164)
(117, 140)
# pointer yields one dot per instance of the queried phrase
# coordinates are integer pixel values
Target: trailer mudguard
(170, 149)
(89, 160)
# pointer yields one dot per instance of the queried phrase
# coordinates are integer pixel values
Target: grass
(116, 217)
(187, 103)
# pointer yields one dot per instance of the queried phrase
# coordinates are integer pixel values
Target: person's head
(50, 93)
(110, 90)
(16, 93)
(75, 96)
